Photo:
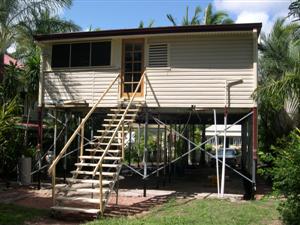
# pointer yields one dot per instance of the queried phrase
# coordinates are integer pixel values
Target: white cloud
(256, 17)
(250, 11)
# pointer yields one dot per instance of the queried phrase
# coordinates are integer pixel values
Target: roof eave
(150, 31)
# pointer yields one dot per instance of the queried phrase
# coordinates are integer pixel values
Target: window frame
(90, 55)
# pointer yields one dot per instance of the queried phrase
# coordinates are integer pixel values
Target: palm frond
(207, 15)
(185, 20)
(151, 23)
(172, 19)
(141, 24)
(195, 19)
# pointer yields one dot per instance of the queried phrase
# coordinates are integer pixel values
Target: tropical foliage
(195, 20)
(14, 12)
(19, 21)
(9, 138)
(219, 17)
(285, 174)
(142, 24)
(295, 10)
(278, 97)
(42, 21)
(279, 87)
(209, 17)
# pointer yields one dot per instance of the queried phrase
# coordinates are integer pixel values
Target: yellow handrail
(62, 152)
(119, 124)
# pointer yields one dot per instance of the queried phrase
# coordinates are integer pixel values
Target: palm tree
(142, 25)
(278, 93)
(186, 21)
(42, 21)
(295, 10)
(13, 12)
(209, 18)
(219, 17)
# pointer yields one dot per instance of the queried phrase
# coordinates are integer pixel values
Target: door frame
(126, 95)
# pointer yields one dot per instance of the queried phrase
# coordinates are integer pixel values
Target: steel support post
(145, 152)
(224, 154)
(66, 139)
(254, 144)
(40, 142)
(165, 154)
(157, 154)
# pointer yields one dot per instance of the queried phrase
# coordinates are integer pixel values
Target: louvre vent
(158, 55)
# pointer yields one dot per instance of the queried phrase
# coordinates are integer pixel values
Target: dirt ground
(194, 184)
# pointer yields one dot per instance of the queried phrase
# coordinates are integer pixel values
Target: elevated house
(166, 76)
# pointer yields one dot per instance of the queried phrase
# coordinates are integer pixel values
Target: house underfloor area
(194, 184)
(164, 154)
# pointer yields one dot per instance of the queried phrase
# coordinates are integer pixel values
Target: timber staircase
(83, 192)
(98, 167)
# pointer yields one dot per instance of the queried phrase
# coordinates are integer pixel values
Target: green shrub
(286, 177)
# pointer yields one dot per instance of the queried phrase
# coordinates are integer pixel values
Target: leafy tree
(10, 146)
(209, 17)
(286, 178)
(219, 17)
(195, 20)
(280, 68)
(12, 83)
(279, 84)
(42, 21)
(295, 10)
(13, 12)
(142, 25)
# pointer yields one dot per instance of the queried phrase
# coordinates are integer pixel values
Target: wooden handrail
(62, 152)
(118, 126)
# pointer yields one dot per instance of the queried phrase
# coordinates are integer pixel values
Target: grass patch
(11, 214)
(210, 211)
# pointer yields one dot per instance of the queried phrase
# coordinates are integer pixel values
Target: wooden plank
(79, 199)
(73, 209)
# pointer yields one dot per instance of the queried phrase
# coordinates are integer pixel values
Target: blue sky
(111, 14)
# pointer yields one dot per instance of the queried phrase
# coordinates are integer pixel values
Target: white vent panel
(158, 55)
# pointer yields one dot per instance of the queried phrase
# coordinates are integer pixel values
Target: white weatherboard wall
(198, 68)
(83, 84)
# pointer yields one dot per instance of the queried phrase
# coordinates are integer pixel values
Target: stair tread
(122, 110)
(102, 150)
(120, 114)
(74, 209)
(117, 120)
(110, 131)
(82, 199)
(107, 137)
(113, 125)
(103, 143)
(91, 173)
(89, 181)
(83, 190)
(98, 157)
(95, 164)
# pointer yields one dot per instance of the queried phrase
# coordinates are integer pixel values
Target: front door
(132, 67)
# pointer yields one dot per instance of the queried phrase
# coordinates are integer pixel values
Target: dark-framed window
(81, 54)
(101, 52)
(60, 55)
